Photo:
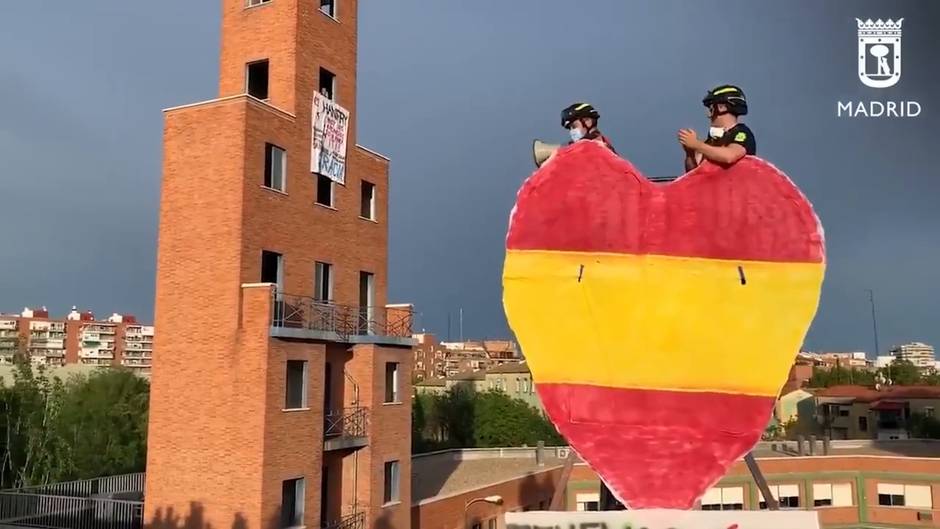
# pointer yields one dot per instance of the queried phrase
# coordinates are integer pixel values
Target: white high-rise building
(917, 353)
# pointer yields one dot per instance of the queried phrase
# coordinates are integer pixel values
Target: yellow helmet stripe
(582, 105)
(724, 91)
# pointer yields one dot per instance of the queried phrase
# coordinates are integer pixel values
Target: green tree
(902, 373)
(52, 430)
(104, 423)
(825, 377)
(923, 427)
(453, 413)
(462, 418)
(932, 379)
(419, 405)
(29, 410)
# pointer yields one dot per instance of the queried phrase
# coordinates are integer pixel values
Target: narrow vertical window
(256, 79)
(275, 167)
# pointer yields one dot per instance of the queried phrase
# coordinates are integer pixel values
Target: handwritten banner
(328, 147)
(663, 519)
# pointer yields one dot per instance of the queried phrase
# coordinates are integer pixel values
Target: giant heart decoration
(660, 320)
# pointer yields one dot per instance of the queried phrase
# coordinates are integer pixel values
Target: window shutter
(891, 489)
(712, 496)
(918, 496)
(842, 495)
(822, 491)
(731, 495)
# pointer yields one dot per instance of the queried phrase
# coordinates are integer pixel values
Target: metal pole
(761, 482)
(562, 486)
(874, 319)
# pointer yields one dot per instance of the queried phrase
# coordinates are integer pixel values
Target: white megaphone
(542, 151)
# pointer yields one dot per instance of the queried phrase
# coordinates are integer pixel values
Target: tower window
(256, 79)
(328, 7)
(253, 3)
(296, 394)
(324, 191)
(271, 268)
(323, 290)
(292, 503)
(327, 83)
(367, 208)
(391, 382)
(391, 482)
(275, 167)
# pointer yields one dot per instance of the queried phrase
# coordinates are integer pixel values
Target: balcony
(345, 429)
(136, 362)
(349, 521)
(96, 353)
(302, 317)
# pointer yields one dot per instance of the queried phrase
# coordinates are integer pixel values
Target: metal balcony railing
(350, 521)
(348, 422)
(303, 312)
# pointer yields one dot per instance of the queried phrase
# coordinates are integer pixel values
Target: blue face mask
(575, 133)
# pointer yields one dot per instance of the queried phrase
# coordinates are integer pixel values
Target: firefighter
(728, 140)
(581, 121)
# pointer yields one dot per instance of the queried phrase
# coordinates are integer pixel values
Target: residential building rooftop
(451, 472)
(432, 382)
(441, 474)
(866, 394)
(513, 367)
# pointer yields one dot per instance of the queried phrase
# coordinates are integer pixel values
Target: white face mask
(716, 132)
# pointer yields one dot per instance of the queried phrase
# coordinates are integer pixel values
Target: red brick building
(78, 338)
(282, 397)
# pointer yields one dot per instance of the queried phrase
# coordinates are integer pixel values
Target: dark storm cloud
(454, 92)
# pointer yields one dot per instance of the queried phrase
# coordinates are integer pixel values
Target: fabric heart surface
(660, 321)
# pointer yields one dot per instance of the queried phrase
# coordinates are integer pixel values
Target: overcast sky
(454, 92)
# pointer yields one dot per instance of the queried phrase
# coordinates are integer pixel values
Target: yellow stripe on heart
(610, 319)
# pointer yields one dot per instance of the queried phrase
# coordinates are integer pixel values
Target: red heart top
(749, 211)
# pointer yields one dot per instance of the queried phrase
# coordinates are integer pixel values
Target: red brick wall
(301, 230)
(267, 31)
(389, 434)
(73, 345)
(202, 434)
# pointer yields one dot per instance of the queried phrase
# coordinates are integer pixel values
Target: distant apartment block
(830, 359)
(434, 359)
(78, 338)
(918, 353)
(858, 412)
(513, 379)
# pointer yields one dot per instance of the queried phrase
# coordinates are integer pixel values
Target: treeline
(900, 373)
(461, 418)
(86, 426)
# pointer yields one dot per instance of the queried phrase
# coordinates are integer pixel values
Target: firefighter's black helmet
(578, 111)
(729, 95)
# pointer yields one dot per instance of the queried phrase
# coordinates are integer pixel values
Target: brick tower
(281, 380)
